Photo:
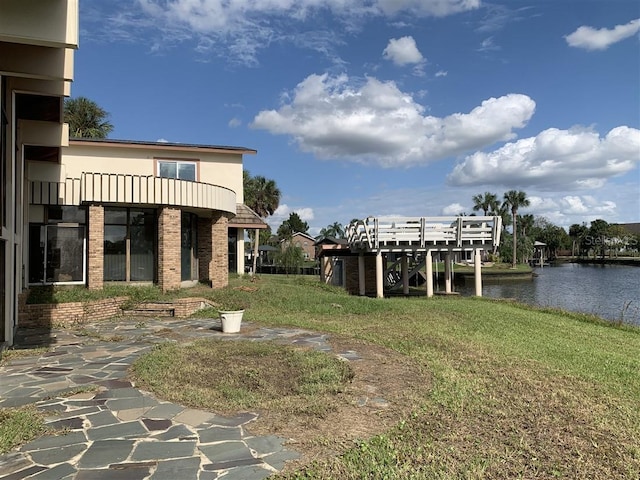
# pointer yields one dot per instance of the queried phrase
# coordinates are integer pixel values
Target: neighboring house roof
(246, 218)
(185, 147)
(303, 235)
(631, 227)
(331, 241)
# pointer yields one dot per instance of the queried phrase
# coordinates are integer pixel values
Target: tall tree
(260, 194)
(334, 230)
(263, 197)
(515, 199)
(488, 203)
(578, 233)
(86, 118)
(294, 224)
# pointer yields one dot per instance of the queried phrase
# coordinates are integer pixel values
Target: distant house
(632, 228)
(306, 243)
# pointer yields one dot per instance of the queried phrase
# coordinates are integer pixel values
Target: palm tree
(86, 119)
(263, 197)
(334, 230)
(515, 199)
(488, 203)
(261, 194)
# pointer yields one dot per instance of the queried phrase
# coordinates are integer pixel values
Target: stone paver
(115, 431)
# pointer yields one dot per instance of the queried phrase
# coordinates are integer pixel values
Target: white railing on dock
(422, 233)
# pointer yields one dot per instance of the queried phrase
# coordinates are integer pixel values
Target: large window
(189, 247)
(180, 170)
(129, 244)
(57, 247)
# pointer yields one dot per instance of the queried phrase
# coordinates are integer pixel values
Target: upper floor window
(178, 169)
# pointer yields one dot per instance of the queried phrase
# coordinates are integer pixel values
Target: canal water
(608, 291)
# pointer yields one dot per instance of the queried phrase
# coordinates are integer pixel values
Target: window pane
(65, 254)
(187, 171)
(142, 252)
(115, 252)
(167, 169)
(115, 216)
(36, 254)
(66, 214)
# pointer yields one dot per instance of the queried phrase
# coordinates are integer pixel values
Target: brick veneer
(219, 272)
(50, 314)
(95, 258)
(169, 235)
(351, 273)
(61, 314)
(205, 249)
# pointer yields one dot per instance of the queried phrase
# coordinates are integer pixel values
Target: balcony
(132, 189)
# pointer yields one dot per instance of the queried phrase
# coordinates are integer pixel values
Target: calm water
(603, 290)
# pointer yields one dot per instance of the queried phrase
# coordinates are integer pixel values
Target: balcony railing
(136, 189)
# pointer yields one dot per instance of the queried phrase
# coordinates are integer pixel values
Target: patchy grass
(18, 426)
(226, 376)
(14, 353)
(518, 392)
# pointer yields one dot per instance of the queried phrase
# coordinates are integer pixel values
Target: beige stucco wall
(222, 169)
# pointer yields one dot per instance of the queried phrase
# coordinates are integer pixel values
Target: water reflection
(609, 291)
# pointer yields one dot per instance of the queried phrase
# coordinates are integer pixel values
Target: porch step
(152, 310)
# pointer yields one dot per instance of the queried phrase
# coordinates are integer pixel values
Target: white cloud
(453, 209)
(283, 211)
(235, 122)
(240, 29)
(591, 38)
(375, 122)
(487, 45)
(403, 51)
(441, 73)
(568, 159)
(162, 140)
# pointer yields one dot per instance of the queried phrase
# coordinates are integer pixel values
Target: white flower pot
(231, 320)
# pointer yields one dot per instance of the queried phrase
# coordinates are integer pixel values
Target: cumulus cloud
(571, 159)
(453, 209)
(375, 122)
(441, 73)
(591, 38)
(235, 122)
(245, 27)
(283, 211)
(403, 51)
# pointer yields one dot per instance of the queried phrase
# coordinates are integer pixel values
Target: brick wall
(169, 234)
(50, 314)
(352, 278)
(219, 272)
(205, 250)
(95, 257)
(61, 314)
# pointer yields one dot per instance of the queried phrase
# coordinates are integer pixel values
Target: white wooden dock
(412, 237)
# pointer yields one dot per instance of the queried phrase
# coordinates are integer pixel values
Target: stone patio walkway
(120, 432)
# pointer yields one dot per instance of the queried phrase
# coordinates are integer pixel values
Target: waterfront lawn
(517, 392)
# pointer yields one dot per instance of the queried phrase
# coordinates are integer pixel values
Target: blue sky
(385, 107)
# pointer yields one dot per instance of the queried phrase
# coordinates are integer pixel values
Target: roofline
(305, 234)
(183, 147)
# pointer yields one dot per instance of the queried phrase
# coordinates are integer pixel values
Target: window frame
(128, 253)
(192, 161)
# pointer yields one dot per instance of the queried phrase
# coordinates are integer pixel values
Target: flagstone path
(118, 432)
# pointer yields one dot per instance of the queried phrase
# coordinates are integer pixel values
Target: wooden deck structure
(416, 239)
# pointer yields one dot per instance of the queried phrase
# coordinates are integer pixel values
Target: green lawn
(518, 392)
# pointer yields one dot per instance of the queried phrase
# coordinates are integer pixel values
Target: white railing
(127, 189)
(423, 232)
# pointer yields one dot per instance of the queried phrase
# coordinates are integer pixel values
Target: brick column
(219, 270)
(205, 250)
(95, 263)
(169, 235)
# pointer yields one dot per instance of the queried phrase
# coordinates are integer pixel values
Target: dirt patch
(385, 388)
